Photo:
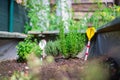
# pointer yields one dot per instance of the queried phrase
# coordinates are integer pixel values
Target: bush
(72, 42)
(26, 47)
(52, 48)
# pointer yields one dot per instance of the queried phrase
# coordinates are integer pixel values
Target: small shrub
(52, 48)
(37, 50)
(75, 43)
(26, 47)
(72, 42)
(63, 47)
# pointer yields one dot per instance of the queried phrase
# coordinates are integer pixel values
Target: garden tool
(90, 33)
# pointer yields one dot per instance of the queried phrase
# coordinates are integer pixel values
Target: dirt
(7, 68)
(60, 69)
(63, 69)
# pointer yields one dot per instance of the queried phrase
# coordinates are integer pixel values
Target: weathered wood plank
(52, 1)
(4, 34)
(79, 15)
(48, 32)
(92, 1)
(87, 1)
(45, 32)
(86, 7)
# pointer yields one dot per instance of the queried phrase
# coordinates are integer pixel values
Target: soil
(63, 69)
(60, 69)
(7, 68)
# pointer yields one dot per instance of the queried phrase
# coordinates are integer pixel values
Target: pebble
(9, 71)
(26, 67)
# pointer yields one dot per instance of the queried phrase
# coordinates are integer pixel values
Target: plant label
(42, 44)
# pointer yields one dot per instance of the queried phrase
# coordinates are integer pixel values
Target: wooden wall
(81, 7)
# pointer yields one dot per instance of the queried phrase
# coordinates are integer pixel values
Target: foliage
(75, 42)
(104, 15)
(27, 47)
(20, 76)
(96, 70)
(69, 44)
(27, 28)
(38, 14)
(62, 40)
(72, 42)
(52, 48)
(100, 17)
(41, 19)
(37, 50)
(54, 22)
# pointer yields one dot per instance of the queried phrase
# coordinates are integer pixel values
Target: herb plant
(63, 43)
(52, 48)
(72, 42)
(27, 47)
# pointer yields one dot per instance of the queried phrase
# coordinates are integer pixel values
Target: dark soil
(63, 69)
(60, 69)
(7, 68)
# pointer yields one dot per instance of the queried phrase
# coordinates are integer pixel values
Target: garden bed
(7, 68)
(61, 68)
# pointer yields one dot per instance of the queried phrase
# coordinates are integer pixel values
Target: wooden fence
(81, 7)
